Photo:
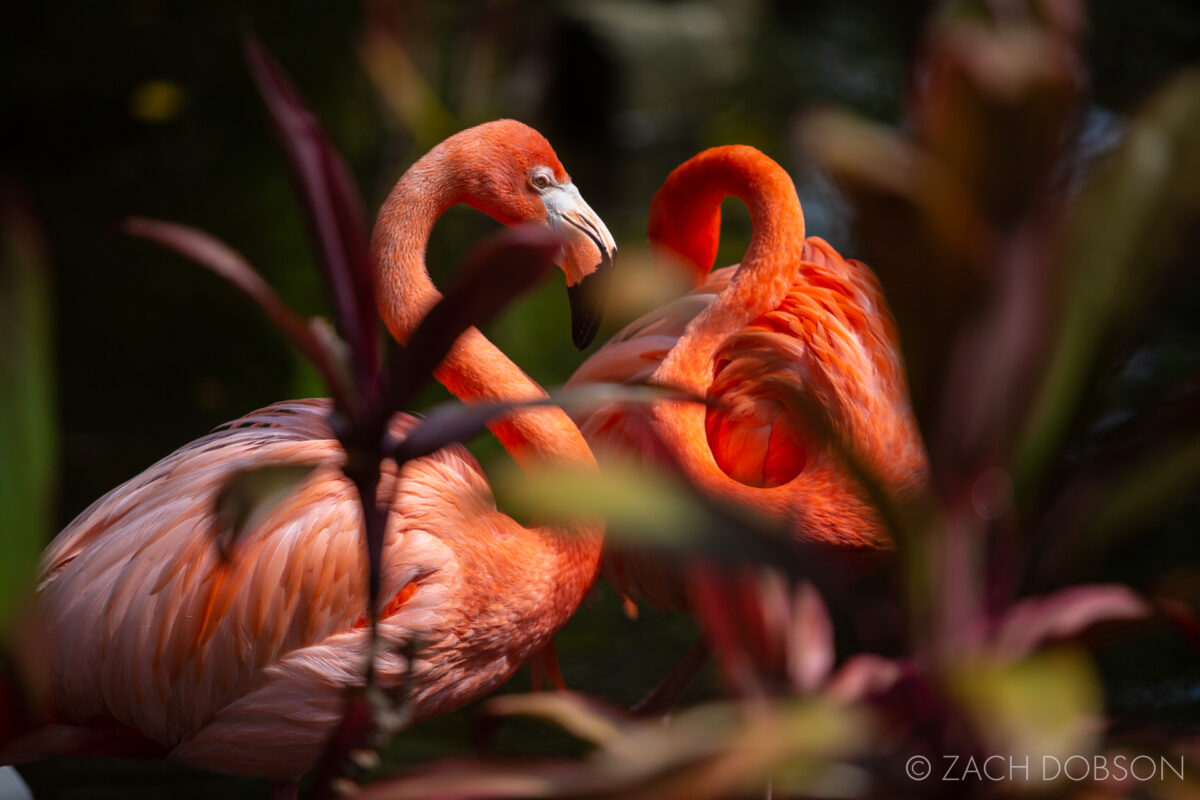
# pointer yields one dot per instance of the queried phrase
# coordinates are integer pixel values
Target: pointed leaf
(652, 510)
(864, 675)
(809, 639)
(458, 422)
(578, 714)
(331, 205)
(211, 253)
(1033, 622)
(492, 276)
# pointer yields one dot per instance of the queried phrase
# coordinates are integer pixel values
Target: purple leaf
(352, 737)
(766, 631)
(458, 422)
(496, 272)
(334, 213)
(214, 255)
(463, 779)
(1066, 613)
(864, 675)
(808, 633)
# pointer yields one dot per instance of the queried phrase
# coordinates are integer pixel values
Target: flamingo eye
(541, 179)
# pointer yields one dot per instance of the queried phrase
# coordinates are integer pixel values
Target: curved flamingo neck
(685, 217)
(475, 369)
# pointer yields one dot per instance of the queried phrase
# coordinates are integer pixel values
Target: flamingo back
(238, 665)
(820, 371)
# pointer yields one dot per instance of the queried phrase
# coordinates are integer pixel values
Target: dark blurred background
(145, 107)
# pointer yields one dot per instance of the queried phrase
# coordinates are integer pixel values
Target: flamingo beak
(588, 256)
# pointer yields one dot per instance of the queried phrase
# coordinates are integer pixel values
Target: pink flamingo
(792, 335)
(157, 647)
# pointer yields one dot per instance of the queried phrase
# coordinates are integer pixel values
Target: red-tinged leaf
(354, 733)
(733, 620)
(995, 104)
(1039, 620)
(211, 253)
(369, 717)
(452, 422)
(809, 642)
(765, 631)
(669, 691)
(362, 468)
(1182, 616)
(492, 276)
(333, 210)
(463, 779)
(863, 676)
(456, 422)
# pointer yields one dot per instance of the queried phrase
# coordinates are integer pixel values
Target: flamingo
(792, 331)
(157, 647)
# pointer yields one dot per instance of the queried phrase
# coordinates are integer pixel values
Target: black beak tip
(587, 299)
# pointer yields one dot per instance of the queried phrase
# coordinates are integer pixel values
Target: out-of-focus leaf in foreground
(1124, 231)
(716, 750)
(250, 495)
(1037, 621)
(401, 87)
(494, 274)
(27, 429)
(644, 507)
(1046, 705)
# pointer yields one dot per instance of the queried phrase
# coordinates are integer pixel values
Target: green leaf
(1124, 229)
(657, 510)
(28, 438)
(1150, 485)
(1046, 705)
(575, 713)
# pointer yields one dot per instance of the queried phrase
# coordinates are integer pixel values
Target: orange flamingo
(792, 332)
(157, 647)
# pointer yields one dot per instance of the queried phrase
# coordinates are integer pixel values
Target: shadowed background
(145, 107)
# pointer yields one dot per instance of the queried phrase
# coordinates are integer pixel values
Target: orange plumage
(792, 344)
(156, 646)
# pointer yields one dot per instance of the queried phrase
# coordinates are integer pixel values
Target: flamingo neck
(685, 218)
(475, 370)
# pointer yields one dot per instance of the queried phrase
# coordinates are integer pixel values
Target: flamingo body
(238, 666)
(156, 646)
(792, 340)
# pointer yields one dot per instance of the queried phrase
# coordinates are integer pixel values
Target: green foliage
(28, 441)
(1123, 237)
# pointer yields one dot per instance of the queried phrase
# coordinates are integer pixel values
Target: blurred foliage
(1043, 279)
(28, 441)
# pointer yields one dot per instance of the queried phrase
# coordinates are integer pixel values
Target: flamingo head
(522, 180)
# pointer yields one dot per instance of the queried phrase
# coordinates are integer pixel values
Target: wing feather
(149, 627)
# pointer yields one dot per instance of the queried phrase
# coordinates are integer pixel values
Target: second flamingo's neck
(474, 369)
(685, 218)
